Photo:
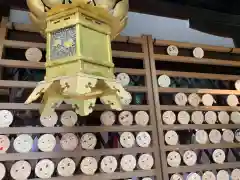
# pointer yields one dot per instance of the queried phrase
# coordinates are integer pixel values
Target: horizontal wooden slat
(198, 75)
(21, 64)
(23, 44)
(83, 129)
(22, 106)
(196, 168)
(201, 146)
(199, 91)
(74, 154)
(26, 45)
(40, 65)
(31, 84)
(192, 46)
(200, 108)
(200, 126)
(111, 176)
(130, 55)
(32, 28)
(131, 71)
(192, 60)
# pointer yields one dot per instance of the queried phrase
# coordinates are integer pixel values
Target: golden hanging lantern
(79, 66)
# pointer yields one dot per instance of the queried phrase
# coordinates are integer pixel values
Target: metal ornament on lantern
(79, 65)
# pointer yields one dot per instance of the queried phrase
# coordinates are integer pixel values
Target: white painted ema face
(46, 143)
(128, 163)
(23, 143)
(44, 169)
(69, 118)
(69, 142)
(20, 170)
(89, 165)
(125, 118)
(66, 167)
(108, 118)
(127, 140)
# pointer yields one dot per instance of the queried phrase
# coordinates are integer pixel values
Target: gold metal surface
(79, 66)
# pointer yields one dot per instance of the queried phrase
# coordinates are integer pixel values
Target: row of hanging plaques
(70, 118)
(200, 117)
(45, 168)
(68, 142)
(213, 136)
(209, 175)
(35, 54)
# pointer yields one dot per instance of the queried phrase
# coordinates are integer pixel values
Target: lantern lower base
(81, 91)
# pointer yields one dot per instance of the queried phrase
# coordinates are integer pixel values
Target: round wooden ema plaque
(210, 117)
(223, 117)
(88, 141)
(189, 158)
(228, 136)
(127, 140)
(164, 81)
(20, 170)
(237, 85)
(108, 118)
(169, 117)
(49, 121)
(208, 100)
(141, 118)
(69, 118)
(147, 178)
(143, 139)
(145, 161)
(218, 156)
(123, 79)
(125, 118)
(208, 175)
(89, 165)
(237, 135)
(235, 117)
(215, 136)
(223, 175)
(6, 118)
(198, 53)
(171, 138)
(66, 167)
(4, 144)
(232, 100)
(197, 117)
(176, 177)
(126, 100)
(181, 99)
(44, 169)
(33, 54)
(193, 176)
(2, 171)
(201, 137)
(109, 164)
(173, 159)
(46, 143)
(194, 99)
(235, 175)
(69, 142)
(128, 163)
(23, 143)
(183, 117)
(172, 50)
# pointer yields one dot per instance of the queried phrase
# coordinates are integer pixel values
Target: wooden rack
(163, 64)
(121, 41)
(148, 59)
